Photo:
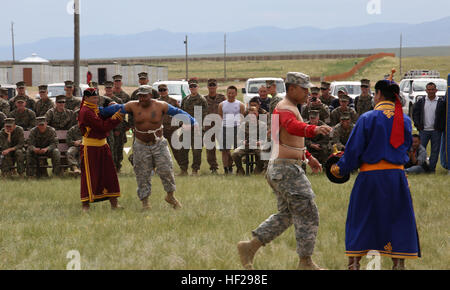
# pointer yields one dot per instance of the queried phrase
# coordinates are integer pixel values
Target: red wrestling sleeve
(289, 121)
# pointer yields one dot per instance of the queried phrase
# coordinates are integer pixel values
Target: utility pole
(225, 57)
(401, 46)
(76, 59)
(186, 45)
(12, 38)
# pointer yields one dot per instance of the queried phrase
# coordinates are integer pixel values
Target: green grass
(41, 220)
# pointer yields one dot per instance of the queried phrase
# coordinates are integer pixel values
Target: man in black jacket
(429, 119)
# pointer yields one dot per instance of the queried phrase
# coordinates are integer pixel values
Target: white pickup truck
(252, 86)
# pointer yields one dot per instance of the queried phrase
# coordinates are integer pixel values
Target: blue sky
(36, 20)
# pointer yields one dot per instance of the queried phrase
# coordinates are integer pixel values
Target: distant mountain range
(257, 40)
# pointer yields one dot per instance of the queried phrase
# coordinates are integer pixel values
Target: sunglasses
(364, 87)
(162, 90)
(192, 86)
(323, 89)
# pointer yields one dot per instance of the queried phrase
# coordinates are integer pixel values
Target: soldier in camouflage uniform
(285, 176)
(273, 95)
(364, 102)
(59, 117)
(143, 80)
(117, 89)
(2, 119)
(105, 101)
(11, 148)
(325, 97)
(341, 132)
(318, 146)
(73, 140)
(72, 102)
(44, 104)
(169, 130)
(43, 142)
(30, 103)
(24, 117)
(314, 103)
(188, 105)
(4, 104)
(335, 116)
(213, 99)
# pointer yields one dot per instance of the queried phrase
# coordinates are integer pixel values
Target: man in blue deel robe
(380, 214)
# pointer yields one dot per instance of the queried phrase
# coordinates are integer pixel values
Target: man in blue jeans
(429, 119)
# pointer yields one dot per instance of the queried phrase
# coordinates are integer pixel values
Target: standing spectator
(72, 102)
(264, 98)
(44, 104)
(326, 98)
(364, 102)
(429, 119)
(21, 91)
(230, 111)
(418, 162)
(4, 104)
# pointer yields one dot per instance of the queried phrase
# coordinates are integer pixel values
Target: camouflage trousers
(73, 156)
(17, 156)
(146, 159)
(295, 206)
(32, 161)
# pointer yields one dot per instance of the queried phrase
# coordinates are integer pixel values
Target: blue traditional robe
(380, 214)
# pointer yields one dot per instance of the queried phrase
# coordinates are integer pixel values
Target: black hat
(90, 92)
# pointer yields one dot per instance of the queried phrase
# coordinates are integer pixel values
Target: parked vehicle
(252, 86)
(178, 90)
(353, 88)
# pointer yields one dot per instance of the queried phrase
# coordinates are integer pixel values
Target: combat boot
(115, 203)
(306, 263)
(247, 251)
(170, 199)
(353, 263)
(145, 204)
(398, 264)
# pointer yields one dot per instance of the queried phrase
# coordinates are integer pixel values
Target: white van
(178, 90)
(252, 86)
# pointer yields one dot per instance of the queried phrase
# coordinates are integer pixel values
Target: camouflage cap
(314, 113)
(365, 82)
(193, 81)
(270, 83)
(20, 84)
(68, 84)
(10, 122)
(117, 77)
(108, 84)
(161, 86)
(41, 120)
(43, 88)
(315, 90)
(325, 85)
(300, 79)
(20, 99)
(60, 99)
(93, 84)
(344, 98)
(343, 89)
(345, 116)
(143, 75)
(145, 90)
(3, 92)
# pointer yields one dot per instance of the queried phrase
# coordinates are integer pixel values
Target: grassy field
(41, 220)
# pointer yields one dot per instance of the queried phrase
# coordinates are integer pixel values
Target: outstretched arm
(174, 111)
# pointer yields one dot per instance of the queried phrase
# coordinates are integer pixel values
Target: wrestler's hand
(323, 130)
(315, 165)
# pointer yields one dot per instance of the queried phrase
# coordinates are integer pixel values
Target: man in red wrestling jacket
(286, 177)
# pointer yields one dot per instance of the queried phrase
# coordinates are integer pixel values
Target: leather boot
(247, 251)
(398, 264)
(170, 199)
(145, 204)
(114, 203)
(306, 263)
(353, 263)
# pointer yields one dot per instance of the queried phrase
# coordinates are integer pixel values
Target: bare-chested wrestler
(150, 147)
(286, 177)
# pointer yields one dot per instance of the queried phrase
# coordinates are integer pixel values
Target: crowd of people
(43, 117)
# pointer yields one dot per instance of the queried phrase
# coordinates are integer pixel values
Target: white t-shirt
(231, 113)
(429, 113)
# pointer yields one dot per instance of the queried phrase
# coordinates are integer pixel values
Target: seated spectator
(24, 117)
(43, 142)
(318, 146)
(342, 91)
(343, 108)
(314, 103)
(255, 102)
(252, 141)
(11, 148)
(59, 117)
(418, 162)
(341, 132)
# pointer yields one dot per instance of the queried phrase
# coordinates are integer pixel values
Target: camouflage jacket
(25, 119)
(59, 120)
(123, 96)
(322, 140)
(30, 103)
(104, 101)
(74, 134)
(2, 119)
(339, 136)
(17, 139)
(190, 102)
(213, 104)
(274, 102)
(4, 107)
(363, 104)
(335, 116)
(43, 140)
(324, 112)
(328, 101)
(252, 137)
(42, 107)
(73, 103)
